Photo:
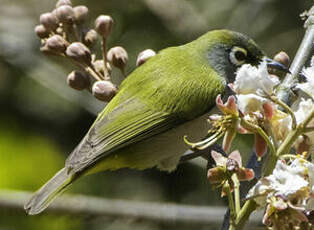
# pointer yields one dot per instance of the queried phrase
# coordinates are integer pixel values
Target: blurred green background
(42, 120)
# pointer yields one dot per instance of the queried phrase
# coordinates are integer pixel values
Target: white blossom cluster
(292, 182)
(253, 85)
(290, 186)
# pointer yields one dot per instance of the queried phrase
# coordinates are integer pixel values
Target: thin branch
(231, 206)
(261, 132)
(78, 205)
(276, 100)
(236, 193)
(304, 53)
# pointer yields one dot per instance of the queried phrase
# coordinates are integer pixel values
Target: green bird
(167, 97)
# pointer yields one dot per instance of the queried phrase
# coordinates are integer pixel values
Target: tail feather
(47, 193)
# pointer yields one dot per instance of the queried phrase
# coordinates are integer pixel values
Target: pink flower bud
(99, 66)
(49, 21)
(104, 25)
(63, 2)
(283, 58)
(80, 14)
(79, 52)
(260, 145)
(104, 90)
(90, 38)
(118, 57)
(78, 80)
(144, 56)
(65, 14)
(41, 31)
(55, 44)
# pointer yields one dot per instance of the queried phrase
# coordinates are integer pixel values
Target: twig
(104, 56)
(261, 132)
(276, 100)
(245, 213)
(236, 193)
(78, 205)
(305, 51)
(233, 214)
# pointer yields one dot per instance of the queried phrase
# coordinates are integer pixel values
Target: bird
(167, 97)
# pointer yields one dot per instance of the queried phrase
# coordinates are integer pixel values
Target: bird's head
(225, 51)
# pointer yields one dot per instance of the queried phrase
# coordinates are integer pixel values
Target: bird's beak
(276, 65)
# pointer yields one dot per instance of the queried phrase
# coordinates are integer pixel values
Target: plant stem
(236, 193)
(261, 132)
(245, 213)
(304, 52)
(288, 142)
(92, 67)
(89, 70)
(286, 107)
(226, 187)
(104, 56)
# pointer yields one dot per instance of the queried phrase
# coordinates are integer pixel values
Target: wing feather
(114, 131)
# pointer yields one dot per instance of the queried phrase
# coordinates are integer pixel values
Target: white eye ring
(237, 56)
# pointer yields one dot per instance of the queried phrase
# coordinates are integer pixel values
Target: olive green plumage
(159, 102)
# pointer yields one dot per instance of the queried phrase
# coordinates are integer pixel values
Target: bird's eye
(237, 56)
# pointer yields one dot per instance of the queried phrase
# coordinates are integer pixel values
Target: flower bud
(63, 2)
(80, 14)
(104, 25)
(118, 57)
(144, 56)
(79, 52)
(65, 14)
(49, 21)
(90, 37)
(99, 66)
(283, 58)
(56, 44)
(41, 31)
(104, 90)
(59, 31)
(78, 80)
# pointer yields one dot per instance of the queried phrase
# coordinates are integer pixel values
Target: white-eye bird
(164, 99)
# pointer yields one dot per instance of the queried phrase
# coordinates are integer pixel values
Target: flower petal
(235, 155)
(228, 138)
(245, 174)
(216, 175)
(219, 158)
(260, 145)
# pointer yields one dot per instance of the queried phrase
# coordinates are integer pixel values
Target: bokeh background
(42, 120)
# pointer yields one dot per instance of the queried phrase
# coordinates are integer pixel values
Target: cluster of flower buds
(63, 33)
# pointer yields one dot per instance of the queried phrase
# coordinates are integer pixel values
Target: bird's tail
(47, 193)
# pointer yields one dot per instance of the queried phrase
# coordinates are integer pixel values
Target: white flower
(308, 86)
(281, 125)
(304, 108)
(250, 103)
(288, 181)
(250, 79)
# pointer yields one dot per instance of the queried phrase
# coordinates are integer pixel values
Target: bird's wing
(147, 104)
(129, 122)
